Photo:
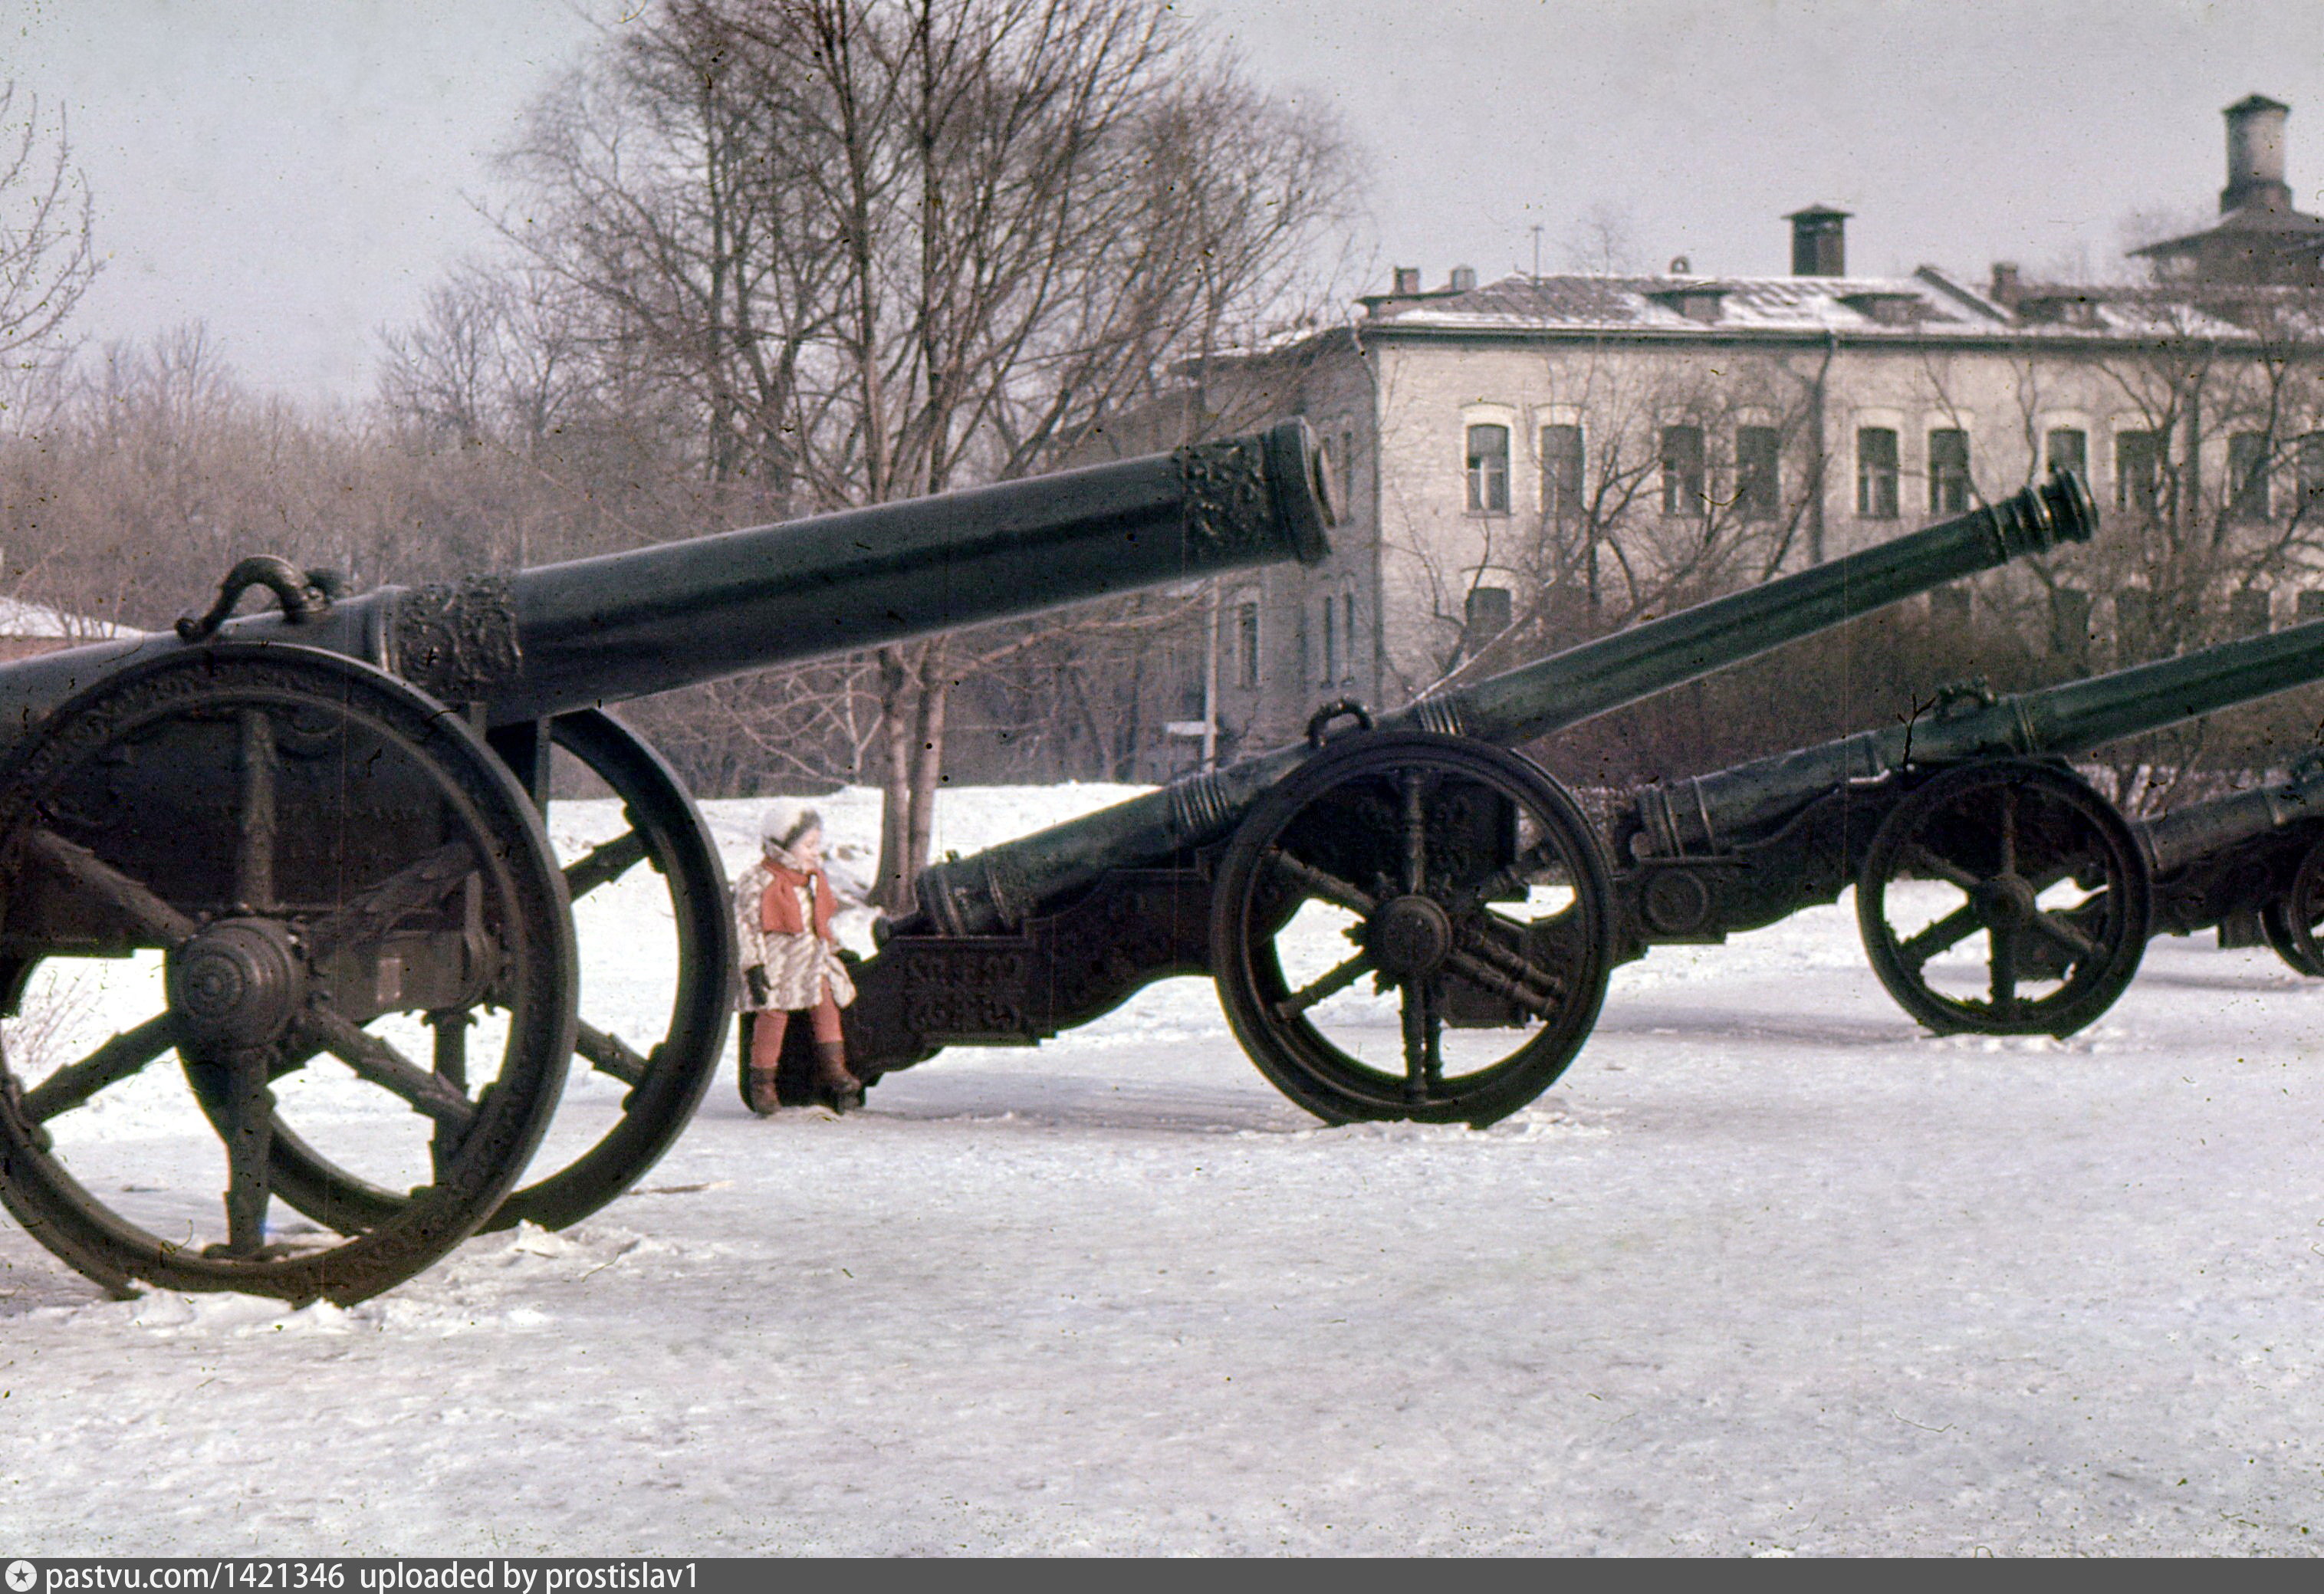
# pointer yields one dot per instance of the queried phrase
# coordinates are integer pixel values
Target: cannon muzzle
(562, 637)
(1000, 887)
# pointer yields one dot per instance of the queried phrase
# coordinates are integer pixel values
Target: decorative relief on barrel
(456, 642)
(1199, 807)
(1229, 512)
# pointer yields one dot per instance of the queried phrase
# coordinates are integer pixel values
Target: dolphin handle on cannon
(1355, 902)
(326, 820)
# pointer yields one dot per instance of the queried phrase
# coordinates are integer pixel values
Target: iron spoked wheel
(2292, 920)
(624, 1107)
(2005, 898)
(1412, 927)
(298, 856)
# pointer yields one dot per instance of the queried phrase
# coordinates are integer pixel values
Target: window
(2247, 496)
(1348, 629)
(1331, 646)
(1247, 642)
(1947, 472)
(2069, 450)
(2311, 477)
(2138, 470)
(1488, 470)
(1758, 488)
(1876, 472)
(1683, 470)
(1560, 471)
(1489, 614)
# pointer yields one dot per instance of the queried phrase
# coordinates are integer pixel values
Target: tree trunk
(893, 883)
(934, 694)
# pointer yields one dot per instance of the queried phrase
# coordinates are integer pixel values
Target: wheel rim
(1412, 927)
(2292, 921)
(2005, 897)
(600, 1144)
(307, 841)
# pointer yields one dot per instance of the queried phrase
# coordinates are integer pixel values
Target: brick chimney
(2256, 155)
(1406, 281)
(1818, 242)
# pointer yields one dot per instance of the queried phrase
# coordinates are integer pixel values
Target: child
(782, 923)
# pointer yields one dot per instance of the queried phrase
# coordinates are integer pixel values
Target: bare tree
(882, 248)
(47, 257)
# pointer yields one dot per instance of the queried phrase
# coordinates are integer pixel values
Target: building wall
(2008, 396)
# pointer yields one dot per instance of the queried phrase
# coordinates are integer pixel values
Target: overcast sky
(296, 173)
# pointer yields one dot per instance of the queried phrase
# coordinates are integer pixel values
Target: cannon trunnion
(318, 836)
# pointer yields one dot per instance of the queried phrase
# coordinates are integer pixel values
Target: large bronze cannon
(321, 828)
(1995, 890)
(1416, 855)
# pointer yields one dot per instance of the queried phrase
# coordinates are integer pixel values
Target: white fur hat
(786, 819)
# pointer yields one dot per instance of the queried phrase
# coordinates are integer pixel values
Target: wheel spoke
(1921, 861)
(118, 1058)
(1329, 985)
(253, 863)
(2004, 943)
(381, 909)
(1535, 989)
(609, 1054)
(2058, 928)
(90, 875)
(2008, 830)
(1316, 883)
(605, 864)
(249, 1133)
(373, 1059)
(451, 1029)
(1415, 831)
(1946, 933)
(1423, 1065)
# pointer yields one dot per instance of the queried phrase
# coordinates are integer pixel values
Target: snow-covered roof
(19, 618)
(1928, 304)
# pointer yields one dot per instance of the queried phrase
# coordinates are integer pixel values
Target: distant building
(1552, 455)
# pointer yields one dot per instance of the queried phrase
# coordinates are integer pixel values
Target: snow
(1768, 1272)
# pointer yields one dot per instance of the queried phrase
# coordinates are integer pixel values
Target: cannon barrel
(1710, 811)
(2199, 829)
(1001, 885)
(568, 636)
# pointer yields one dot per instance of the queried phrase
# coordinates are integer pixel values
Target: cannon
(1963, 829)
(1415, 853)
(2250, 864)
(321, 829)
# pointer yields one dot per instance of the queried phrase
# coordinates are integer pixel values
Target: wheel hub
(236, 983)
(1409, 936)
(2007, 902)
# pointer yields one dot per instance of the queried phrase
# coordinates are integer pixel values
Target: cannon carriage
(317, 834)
(1404, 918)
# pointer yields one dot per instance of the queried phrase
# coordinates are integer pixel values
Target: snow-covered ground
(1768, 1271)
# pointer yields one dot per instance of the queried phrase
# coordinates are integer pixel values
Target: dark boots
(841, 1091)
